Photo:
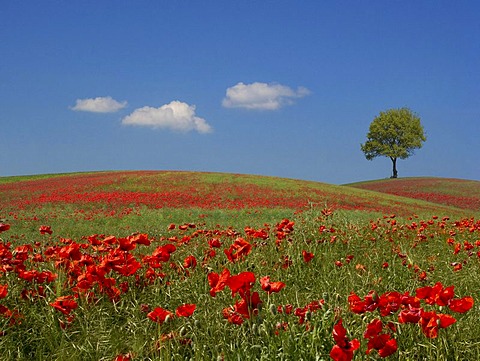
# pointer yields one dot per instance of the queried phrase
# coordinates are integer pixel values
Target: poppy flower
(232, 316)
(190, 262)
(163, 252)
(383, 343)
(185, 310)
(218, 282)
(307, 256)
(64, 304)
(214, 243)
(140, 238)
(430, 322)
(159, 315)
(410, 315)
(45, 229)
(238, 250)
(436, 294)
(461, 305)
(4, 227)
(241, 283)
(126, 244)
(3, 291)
(271, 287)
(359, 306)
(374, 328)
(344, 348)
(123, 357)
(389, 303)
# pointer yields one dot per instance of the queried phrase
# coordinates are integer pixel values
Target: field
(459, 193)
(210, 266)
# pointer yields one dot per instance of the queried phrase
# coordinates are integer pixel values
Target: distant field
(464, 194)
(157, 189)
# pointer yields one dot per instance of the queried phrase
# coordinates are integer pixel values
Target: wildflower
(343, 348)
(190, 262)
(218, 282)
(3, 291)
(64, 304)
(307, 256)
(159, 315)
(430, 322)
(382, 342)
(185, 310)
(271, 287)
(45, 229)
(461, 305)
(241, 283)
(238, 250)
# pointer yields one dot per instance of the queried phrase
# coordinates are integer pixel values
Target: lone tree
(394, 133)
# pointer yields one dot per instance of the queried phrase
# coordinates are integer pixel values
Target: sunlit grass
(353, 251)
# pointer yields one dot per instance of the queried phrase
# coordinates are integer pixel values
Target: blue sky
(278, 88)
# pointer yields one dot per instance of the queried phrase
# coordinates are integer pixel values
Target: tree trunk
(395, 173)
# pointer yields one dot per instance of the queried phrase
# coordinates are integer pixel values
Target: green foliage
(395, 133)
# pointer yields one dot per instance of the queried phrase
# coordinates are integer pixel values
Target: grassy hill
(464, 194)
(120, 191)
(159, 265)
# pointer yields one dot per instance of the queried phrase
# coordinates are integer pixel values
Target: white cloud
(261, 96)
(176, 116)
(99, 105)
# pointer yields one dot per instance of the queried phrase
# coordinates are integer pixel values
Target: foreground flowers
(258, 283)
(344, 348)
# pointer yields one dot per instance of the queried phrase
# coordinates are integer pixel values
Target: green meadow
(101, 266)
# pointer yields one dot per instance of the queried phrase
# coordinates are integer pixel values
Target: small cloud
(261, 96)
(176, 116)
(99, 105)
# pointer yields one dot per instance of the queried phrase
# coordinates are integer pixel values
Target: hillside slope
(464, 194)
(178, 189)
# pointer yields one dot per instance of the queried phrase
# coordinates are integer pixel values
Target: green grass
(362, 240)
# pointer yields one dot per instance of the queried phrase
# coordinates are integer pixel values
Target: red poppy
(232, 316)
(64, 304)
(461, 305)
(4, 227)
(163, 252)
(159, 315)
(3, 291)
(344, 348)
(382, 342)
(410, 315)
(271, 287)
(374, 328)
(190, 262)
(125, 357)
(430, 322)
(238, 250)
(214, 243)
(126, 244)
(141, 238)
(359, 306)
(185, 310)
(389, 303)
(45, 229)
(307, 256)
(241, 283)
(218, 282)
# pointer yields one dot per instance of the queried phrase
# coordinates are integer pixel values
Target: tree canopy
(394, 133)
